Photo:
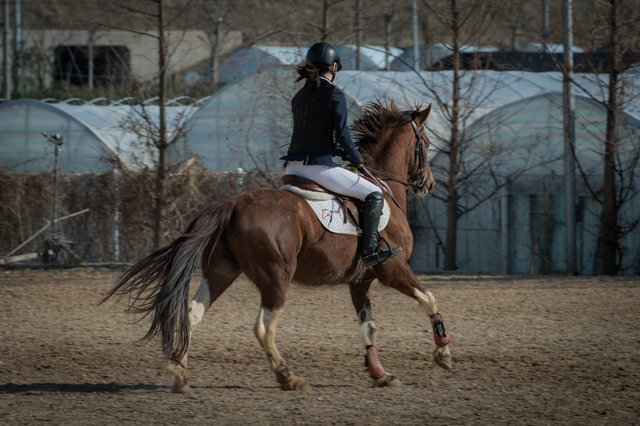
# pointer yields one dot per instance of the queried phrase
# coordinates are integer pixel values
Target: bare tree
(456, 19)
(615, 28)
(215, 16)
(158, 14)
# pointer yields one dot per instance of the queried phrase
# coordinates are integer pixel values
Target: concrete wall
(186, 49)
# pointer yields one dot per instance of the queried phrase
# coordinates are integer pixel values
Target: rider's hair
(309, 71)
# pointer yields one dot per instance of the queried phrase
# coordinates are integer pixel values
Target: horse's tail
(158, 285)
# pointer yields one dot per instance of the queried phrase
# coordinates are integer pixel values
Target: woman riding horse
(273, 237)
(319, 126)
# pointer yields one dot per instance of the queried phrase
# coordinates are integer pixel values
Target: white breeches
(335, 179)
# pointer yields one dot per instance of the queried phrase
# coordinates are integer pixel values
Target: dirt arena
(527, 351)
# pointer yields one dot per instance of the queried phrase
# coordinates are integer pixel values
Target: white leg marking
(199, 304)
(368, 327)
(258, 328)
(427, 301)
(265, 331)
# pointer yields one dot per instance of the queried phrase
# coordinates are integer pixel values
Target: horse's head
(420, 178)
(394, 144)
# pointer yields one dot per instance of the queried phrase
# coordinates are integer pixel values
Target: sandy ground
(527, 351)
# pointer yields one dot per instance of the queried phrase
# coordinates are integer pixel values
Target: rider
(319, 131)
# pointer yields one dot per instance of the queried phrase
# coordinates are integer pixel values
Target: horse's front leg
(442, 353)
(362, 304)
(401, 277)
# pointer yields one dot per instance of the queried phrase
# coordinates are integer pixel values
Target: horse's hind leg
(362, 304)
(208, 292)
(265, 331)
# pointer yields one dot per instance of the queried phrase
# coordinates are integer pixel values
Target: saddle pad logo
(326, 215)
(330, 213)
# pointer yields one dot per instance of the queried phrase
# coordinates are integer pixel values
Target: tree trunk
(454, 150)
(324, 31)
(161, 143)
(609, 229)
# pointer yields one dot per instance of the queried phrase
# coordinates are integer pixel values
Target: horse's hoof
(296, 383)
(182, 388)
(442, 357)
(386, 380)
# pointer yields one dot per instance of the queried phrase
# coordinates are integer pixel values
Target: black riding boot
(371, 251)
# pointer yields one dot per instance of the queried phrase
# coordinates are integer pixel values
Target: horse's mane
(378, 120)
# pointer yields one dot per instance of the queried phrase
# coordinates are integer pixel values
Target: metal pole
(17, 48)
(416, 43)
(116, 217)
(387, 42)
(545, 24)
(6, 70)
(56, 140)
(569, 142)
(504, 228)
(358, 34)
(55, 189)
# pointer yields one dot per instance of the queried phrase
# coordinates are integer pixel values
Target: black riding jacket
(320, 125)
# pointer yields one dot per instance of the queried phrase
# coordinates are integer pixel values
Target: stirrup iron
(380, 255)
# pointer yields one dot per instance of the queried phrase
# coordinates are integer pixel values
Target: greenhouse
(94, 138)
(372, 57)
(510, 121)
(248, 123)
(515, 117)
(246, 61)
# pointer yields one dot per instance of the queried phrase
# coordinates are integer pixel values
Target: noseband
(419, 178)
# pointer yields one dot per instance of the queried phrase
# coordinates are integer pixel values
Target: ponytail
(310, 72)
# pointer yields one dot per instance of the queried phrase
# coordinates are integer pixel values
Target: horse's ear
(422, 117)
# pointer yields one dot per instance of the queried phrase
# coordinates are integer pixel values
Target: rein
(419, 176)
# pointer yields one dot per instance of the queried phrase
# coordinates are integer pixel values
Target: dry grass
(120, 208)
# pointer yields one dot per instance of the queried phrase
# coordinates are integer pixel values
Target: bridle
(421, 146)
(417, 179)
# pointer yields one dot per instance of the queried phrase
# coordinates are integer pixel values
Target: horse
(272, 236)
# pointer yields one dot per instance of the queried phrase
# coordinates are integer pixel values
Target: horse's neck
(392, 163)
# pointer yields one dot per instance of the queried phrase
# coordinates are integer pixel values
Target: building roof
(95, 138)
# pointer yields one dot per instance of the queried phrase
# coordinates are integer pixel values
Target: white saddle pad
(331, 215)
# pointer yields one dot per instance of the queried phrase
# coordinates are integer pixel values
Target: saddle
(312, 191)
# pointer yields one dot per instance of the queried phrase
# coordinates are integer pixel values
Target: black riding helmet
(323, 55)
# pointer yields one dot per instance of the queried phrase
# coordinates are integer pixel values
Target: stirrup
(379, 255)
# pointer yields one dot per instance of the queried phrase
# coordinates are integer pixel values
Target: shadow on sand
(77, 387)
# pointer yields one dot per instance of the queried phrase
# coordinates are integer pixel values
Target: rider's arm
(343, 136)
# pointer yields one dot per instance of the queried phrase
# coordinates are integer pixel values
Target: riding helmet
(323, 55)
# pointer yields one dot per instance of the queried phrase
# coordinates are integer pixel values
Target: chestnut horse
(272, 236)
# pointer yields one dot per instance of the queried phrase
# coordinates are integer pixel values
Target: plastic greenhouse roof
(252, 117)
(287, 55)
(246, 61)
(372, 56)
(95, 137)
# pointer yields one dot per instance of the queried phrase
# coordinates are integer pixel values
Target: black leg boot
(370, 251)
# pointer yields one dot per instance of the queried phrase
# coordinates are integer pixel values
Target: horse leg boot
(361, 302)
(371, 251)
(197, 308)
(442, 354)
